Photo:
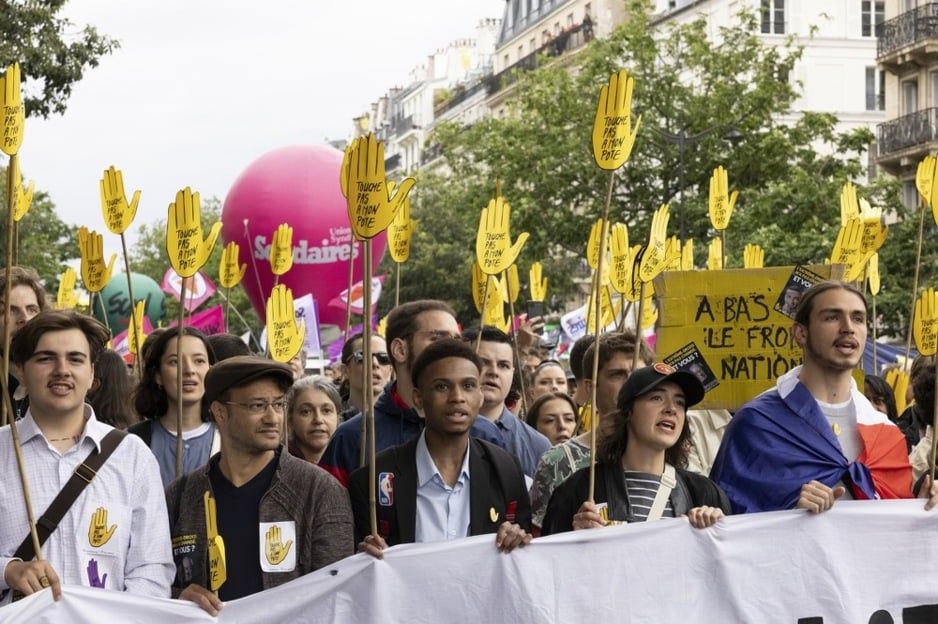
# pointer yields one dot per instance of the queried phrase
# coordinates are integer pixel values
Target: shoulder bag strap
(668, 481)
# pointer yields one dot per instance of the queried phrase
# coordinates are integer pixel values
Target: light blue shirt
(442, 511)
(522, 440)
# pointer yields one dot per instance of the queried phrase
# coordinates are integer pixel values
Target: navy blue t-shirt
(238, 519)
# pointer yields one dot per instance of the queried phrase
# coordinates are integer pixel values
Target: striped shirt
(642, 488)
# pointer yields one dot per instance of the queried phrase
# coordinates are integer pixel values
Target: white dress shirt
(132, 548)
(442, 511)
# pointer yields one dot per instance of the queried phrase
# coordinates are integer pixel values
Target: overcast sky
(199, 89)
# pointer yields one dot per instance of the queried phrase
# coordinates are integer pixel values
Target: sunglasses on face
(381, 357)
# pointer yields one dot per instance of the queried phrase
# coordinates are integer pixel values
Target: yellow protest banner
(753, 256)
(229, 273)
(494, 249)
(118, 212)
(371, 206)
(730, 329)
(94, 273)
(400, 232)
(186, 249)
(925, 323)
(67, 297)
(721, 202)
(538, 282)
(613, 134)
(281, 250)
(285, 335)
(12, 109)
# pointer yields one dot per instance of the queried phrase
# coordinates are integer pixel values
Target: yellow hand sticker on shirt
(274, 548)
(118, 213)
(721, 201)
(400, 232)
(925, 323)
(613, 132)
(186, 249)
(281, 250)
(67, 297)
(229, 273)
(753, 257)
(538, 282)
(371, 207)
(494, 250)
(98, 531)
(94, 274)
(135, 334)
(12, 111)
(285, 335)
(655, 258)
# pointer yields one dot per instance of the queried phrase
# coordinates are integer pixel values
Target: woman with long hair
(554, 415)
(156, 400)
(110, 392)
(640, 472)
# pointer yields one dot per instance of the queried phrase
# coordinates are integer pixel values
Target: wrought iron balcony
(913, 27)
(400, 125)
(909, 131)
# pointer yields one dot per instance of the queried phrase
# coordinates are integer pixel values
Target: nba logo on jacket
(386, 489)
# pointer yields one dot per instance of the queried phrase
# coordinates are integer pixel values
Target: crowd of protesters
(477, 432)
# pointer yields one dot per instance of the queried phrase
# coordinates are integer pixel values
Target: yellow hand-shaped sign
(898, 380)
(94, 274)
(715, 255)
(925, 323)
(371, 208)
(344, 169)
(856, 242)
(655, 258)
(494, 313)
(285, 336)
(281, 250)
(721, 201)
(849, 206)
(135, 334)
(187, 251)
(631, 286)
(538, 283)
(592, 244)
(118, 214)
(229, 273)
(613, 135)
(12, 110)
(687, 255)
(400, 231)
(608, 311)
(67, 297)
(512, 283)
(753, 257)
(925, 179)
(22, 197)
(620, 271)
(274, 548)
(673, 255)
(479, 281)
(217, 567)
(872, 272)
(494, 250)
(98, 531)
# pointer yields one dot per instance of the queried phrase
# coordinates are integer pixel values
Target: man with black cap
(640, 474)
(279, 517)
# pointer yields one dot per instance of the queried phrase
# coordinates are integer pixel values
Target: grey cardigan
(299, 491)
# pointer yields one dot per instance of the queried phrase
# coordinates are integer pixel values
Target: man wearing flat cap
(278, 516)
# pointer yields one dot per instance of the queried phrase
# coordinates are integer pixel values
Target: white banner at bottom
(862, 562)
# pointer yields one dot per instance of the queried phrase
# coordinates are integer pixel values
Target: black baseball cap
(646, 379)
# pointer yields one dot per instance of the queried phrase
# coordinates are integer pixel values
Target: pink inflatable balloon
(297, 185)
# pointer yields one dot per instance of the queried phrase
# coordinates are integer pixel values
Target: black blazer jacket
(497, 492)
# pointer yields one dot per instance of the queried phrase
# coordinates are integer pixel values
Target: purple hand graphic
(93, 578)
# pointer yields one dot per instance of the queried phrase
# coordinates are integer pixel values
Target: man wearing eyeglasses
(411, 327)
(353, 358)
(279, 517)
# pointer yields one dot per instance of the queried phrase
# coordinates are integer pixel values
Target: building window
(873, 14)
(909, 194)
(910, 96)
(933, 84)
(532, 44)
(570, 19)
(875, 89)
(773, 17)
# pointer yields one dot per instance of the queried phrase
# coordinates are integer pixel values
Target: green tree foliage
(53, 53)
(712, 89)
(149, 258)
(43, 240)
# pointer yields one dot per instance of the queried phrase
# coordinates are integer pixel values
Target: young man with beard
(815, 438)
(280, 517)
(411, 328)
(443, 485)
(114, 534)
(498, 370)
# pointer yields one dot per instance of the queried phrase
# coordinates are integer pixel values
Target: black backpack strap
(84, 474)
